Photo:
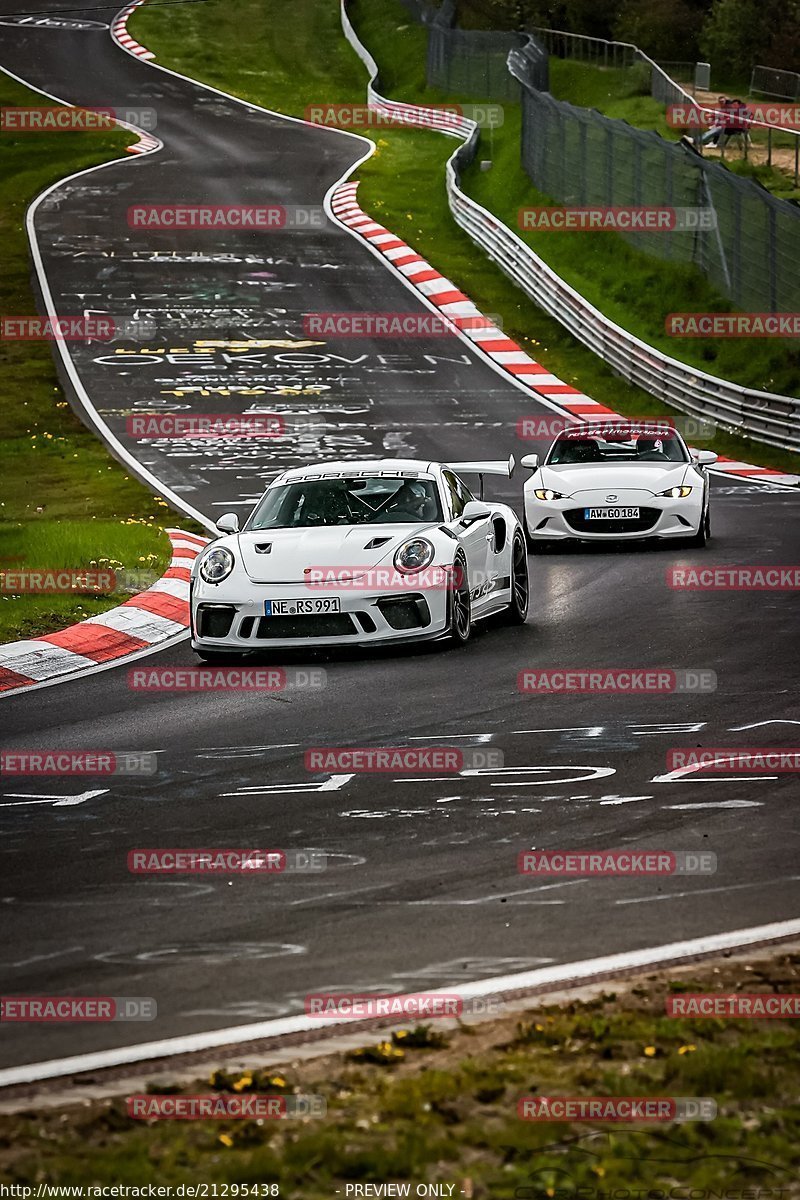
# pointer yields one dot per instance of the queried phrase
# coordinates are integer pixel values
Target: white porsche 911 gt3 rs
(356, 553)
(617, 480)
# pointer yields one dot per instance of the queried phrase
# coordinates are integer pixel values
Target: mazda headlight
(676, 493)
(216, 565)
(414, 555)
(547, 494)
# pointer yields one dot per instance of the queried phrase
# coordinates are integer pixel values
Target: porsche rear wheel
(517, 611)
(460, 604)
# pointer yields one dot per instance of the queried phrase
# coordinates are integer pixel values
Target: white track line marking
(554, 976)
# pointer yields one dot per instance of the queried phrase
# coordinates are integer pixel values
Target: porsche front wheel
(460, 604)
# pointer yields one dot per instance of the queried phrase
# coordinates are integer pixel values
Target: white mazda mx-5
(355, 553)
(617, 480)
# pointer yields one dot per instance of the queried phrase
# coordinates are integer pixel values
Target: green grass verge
(433, 1107)
(64, 501)
(403, 186)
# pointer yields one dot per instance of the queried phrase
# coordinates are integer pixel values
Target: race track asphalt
(422, 888)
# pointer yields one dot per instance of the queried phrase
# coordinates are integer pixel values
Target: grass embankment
(620, 93)
(403, 186)
(65, 503)
(433, 1107)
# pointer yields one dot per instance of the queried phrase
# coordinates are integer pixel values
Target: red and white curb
(144, 621)
(119, 32)
(488, 339)
(145, 144)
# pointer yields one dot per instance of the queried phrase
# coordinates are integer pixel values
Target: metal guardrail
(765, 416)
(769, 81)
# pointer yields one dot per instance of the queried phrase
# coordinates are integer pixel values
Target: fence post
(773, 259)
(610, 166)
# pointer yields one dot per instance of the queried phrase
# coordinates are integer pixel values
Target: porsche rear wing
(486, 467)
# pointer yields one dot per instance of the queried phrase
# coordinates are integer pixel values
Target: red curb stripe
(590, 408)
(97, 642)
(423, 275)
(177, 573)
(500, 345)
(10, 679)
(756, 471)
(393, 245)
(531, 368)
(406, 259)
(447, 298)
(162, 604)
(179, 536)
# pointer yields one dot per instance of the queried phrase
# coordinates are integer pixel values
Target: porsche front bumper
(231, 616)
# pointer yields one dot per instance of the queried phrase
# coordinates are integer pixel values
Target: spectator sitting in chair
(738, 122)
(721, 116)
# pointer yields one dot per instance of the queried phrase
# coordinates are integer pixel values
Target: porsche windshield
(356, 501)
(586, 450)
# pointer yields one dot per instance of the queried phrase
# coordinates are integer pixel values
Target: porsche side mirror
(228, 523)
(475, 510)
(531, 461)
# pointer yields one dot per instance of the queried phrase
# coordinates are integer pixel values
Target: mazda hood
(616, 477)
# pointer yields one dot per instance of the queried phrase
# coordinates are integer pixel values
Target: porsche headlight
(547, 494)
(676, 493)
(414, 555)
(216, 565)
